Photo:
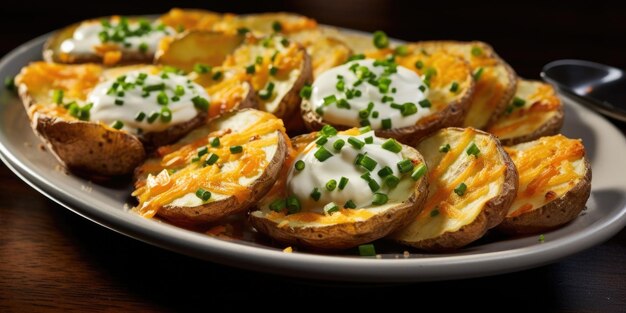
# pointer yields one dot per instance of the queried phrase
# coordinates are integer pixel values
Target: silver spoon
(600, 87)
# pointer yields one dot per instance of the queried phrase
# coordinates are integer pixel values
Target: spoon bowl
(600, 87)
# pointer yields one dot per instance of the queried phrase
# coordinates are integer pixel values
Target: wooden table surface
(54, 260)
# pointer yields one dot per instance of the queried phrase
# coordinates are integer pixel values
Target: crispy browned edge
(216, 210)
(346, 235)
(491, 215)
(84, 148)
(51, 46)
(452, 115)
(554, 214)
(551, 127)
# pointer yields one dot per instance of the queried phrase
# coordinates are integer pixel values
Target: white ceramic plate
(105, 205)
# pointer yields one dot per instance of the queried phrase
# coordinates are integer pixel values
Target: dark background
(527, 34)
(60, 261)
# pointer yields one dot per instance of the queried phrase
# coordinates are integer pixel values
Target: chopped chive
(153, 116)
(473, 150)
(340, 85)
(405, 166)
(477, 51)
(460, 189)
(162, 98)
(380, 198)
(140, 116)
(142, 76)
(385, 171)
(293, 205)
(434, 212)
(380, 40)
(331, 208)
(367, 250)
(321, 140)
(369, 140)
(425, 103)
(322, 154)
(365, 129)
(386, 123)
(251, 69)
(349, 204)
(374, 186)
(391, 181)
(358, 159)
(284, 42)
(343, 104)
(401, 50)
(375, 114)
(478, 73)
(338, 144)
(542, 238)
(422, 88)
(368, 163)
(419, 64)
(120, 93)
(364, 114)
(419, 172)
(409, 108)
(204, 195)
(215, 142)
(320, 111)
(276, 26)
(305, 92)
(200, 103)
(518, 102)
(273, 70)
(259, 60)
(180, 90)
(57, 96)
(356, 143)
(328, 131)
(143, 47)
(278, 205)
(242, 30)
(266, 93)
(155, 87)
(119, 102)
(366, 177)
(299, 165)
(165, 76)
(343, 182)
(454, 87)
(392, 145)
(236, 149)
(211, 159)
(166, 115)
(117, 124)
(355, 57)
(330, 99)
(444, 148)
(315, 194)
(217, 75)
(201, 68)
(202, 151)
(331, 185)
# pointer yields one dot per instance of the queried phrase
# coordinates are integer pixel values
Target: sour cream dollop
(136, 36)
(142, 102)
(369, 92)
(315, 175)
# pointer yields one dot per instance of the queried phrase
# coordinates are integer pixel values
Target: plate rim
(342, 268)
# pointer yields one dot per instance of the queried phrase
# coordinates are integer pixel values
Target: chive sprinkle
(331, 185)
(380, 198)
(374, 186)
(251, 69)
(392, 145)
(200, 103)
(518, 102)
(477, 51)
(367, 250)
(419, 64)
(201, 68)
(369, 140)
(293, 205)
(434, 212)
(166, 115)
(380, 40)
(478, 73)
(328, 131)
(202, 151)
(343, 182)
(391, 181)
(315, 194)
(368, 163)
(460, 189)
(211, 159)
(204, 195)
(338, 144)
(473, 150)
(405, 166)
(425, 103)
(299, 165)
(278, 205)
(331, 208)
(444, 148)
(386, 123)
(276, 26)
(140, 116)
(117, 124)
(305, 92)
(322, 154)
(153, 116)
(215, 142)
(356, 143)
(57, 96)
(385, 171)
(321, 140)
(236, 149)
(454, 87)
(349, 205)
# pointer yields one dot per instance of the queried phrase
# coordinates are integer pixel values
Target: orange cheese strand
(340, 217)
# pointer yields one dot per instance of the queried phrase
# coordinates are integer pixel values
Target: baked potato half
(111, 40)
(495, 80)
(399, 99)
(217, 170)
(472, 185)
(554, 184)
(266, 23)
(534, 112)
(191, 19)
(361, 191)
(95, 119)
(326, 51)
(277, 69)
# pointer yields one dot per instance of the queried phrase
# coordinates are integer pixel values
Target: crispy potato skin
(346, 235)
(554, 214)
(290, 103)
(216, 210)
(492, 214)
(550, 128)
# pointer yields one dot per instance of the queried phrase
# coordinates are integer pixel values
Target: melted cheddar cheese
(548, 168)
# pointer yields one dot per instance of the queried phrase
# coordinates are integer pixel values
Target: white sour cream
(316, 174)
(404, 82)
(106, 110)
(86, 38)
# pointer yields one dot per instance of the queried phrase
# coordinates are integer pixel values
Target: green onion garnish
(477, 51)
(374, 186)
(460, 189)
(419, 172)
(349, 205)
(162, 98)
(401, 50)
(250, 69)
(356, 143)
(380, 40)
(434, 212)
(392, 145)
(330, 99)
(204, 195)
(236, 149)
(293, 205)
(143, 47)
(473, 150)
(119, 102)
(419, 64)
(155, 87)
(380, 198)
(273, 70)
(299, 165)
(444, 148)
(410, 108)
(276, 26)
(321, 140)
(266, 93)
(217, 75)
(9, 83)
(322, 154)
(202, 151)
(367, 250)
(305, 92)
(200, 103)
(331, 208)
(478, 73)
(211, 159)
(340, 85)
(278, 205)
(385, 171)
(518, 102)
(331, 185)
(242, 30)
(315, 194)
(166, 115)
(153, 116)
(57, 96)
(369, 140)
(328, 131)
(365, 129)
(179, 91)
(425, 103)
(386, 123)
(140, 116)
(117, 124)
(338, 144)
(215, 142)
(201, 68)
(343, 182)
(405, 166)
(391, 181)
(368, 163)
(259, 60)
(454, 87)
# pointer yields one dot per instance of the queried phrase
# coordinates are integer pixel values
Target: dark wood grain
(54, 260)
